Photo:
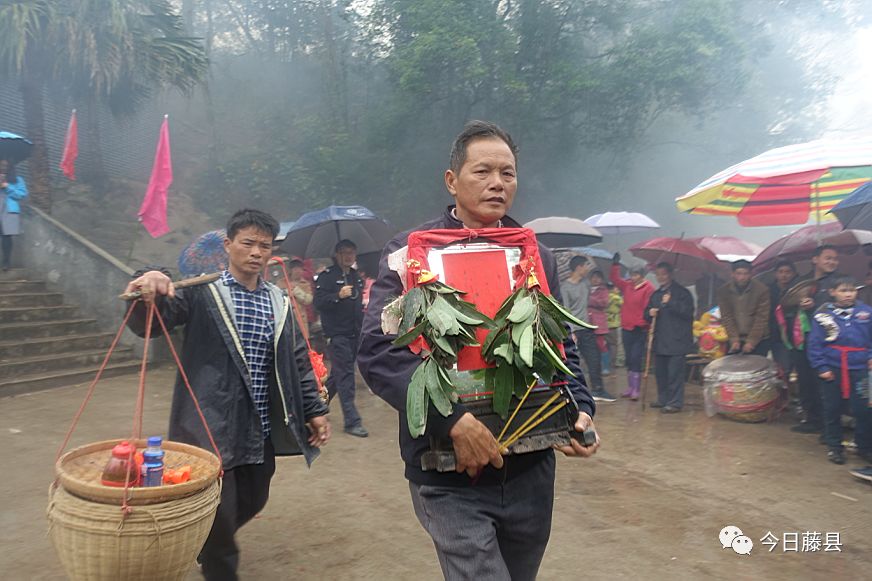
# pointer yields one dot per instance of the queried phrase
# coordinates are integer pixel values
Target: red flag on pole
(153, 212)
(71, 149)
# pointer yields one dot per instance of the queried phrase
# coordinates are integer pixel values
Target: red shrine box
(482, 263)
(488, 265)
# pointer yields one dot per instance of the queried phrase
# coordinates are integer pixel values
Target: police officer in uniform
(339, 300)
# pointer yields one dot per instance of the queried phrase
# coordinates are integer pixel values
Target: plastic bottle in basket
(121, 469)
(153, 444)
(152, 467)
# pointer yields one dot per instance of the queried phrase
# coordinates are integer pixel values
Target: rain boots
(634, 378)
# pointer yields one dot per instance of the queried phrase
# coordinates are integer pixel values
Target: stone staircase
(45, 343)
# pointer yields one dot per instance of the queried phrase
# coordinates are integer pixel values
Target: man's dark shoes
(864, 473)
(805, 428)
(603, 396)
(669, 410)
(358, 431)
(836, 457)
(656, 404)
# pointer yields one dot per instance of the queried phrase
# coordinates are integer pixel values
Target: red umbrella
(799, 246)
(729, 248)
(690, 260)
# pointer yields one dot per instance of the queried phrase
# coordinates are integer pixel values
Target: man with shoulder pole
(491, 519)
(249, 368)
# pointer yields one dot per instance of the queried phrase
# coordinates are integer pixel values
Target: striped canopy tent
(787, 185)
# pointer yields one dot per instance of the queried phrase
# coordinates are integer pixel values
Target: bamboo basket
(158, 539)
(79, 472)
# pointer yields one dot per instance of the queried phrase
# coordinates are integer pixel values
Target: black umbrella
(316, 233)
(855, 211)
(14, 148)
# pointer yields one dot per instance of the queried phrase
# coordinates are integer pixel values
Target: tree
(114, 51)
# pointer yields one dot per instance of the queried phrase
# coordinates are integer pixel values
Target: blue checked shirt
(255, 324)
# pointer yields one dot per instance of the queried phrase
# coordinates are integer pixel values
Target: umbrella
(729, 248)
(315, 234)
(690, 260)
(855, 211)
(14, 148)
(204, 255)
(799, 246)
(284, 227)
(783, 186)
(621, 222)
(563, 232)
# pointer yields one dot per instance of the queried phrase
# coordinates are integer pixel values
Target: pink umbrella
(798, 247)
(690, 260)
(729, 248)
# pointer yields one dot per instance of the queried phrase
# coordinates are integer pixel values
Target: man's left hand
(748, 347)
(319, 427)
(574, 448)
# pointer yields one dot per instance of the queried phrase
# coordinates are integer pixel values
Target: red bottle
(122, 468)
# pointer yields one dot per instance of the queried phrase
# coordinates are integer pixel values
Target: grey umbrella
(564, 232)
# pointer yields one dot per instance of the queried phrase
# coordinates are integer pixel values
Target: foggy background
(615, 104)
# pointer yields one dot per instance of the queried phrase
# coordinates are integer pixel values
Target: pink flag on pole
(71, 149)
(153, 212)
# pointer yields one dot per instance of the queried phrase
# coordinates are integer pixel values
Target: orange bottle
(121, 469)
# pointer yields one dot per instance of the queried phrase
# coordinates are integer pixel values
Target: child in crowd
(840, 352)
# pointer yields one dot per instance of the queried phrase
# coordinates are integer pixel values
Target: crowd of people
(815, 327)
(256, 385)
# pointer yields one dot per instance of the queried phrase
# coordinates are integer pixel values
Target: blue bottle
(153, 465)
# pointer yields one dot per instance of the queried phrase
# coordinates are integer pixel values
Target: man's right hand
(345, 291)
(474, 446)
(151, 284)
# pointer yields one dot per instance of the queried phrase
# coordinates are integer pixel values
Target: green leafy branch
(529, 327)
(437, 323)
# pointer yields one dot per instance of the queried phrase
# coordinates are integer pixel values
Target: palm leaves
(116, 51)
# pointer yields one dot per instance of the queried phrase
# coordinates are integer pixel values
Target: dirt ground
(650, 504)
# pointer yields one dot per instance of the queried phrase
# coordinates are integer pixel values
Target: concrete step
(10, 350)
(12, 332)
(31, 300)
(8, 287)
(56, 362)
(16, 274)
(33, 314)
(64, 378)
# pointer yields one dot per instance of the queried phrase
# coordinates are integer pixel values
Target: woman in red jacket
(637, 291)
(597, 303)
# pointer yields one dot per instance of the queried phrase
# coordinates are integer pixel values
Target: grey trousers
(671, 372)
(490, 533)
(342, 351)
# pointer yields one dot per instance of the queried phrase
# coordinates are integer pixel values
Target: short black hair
(844, 280)
(665, 266)
(785, 263)
(741, 263)
(820, 249)
(477, 130)
(598, 273)
(343, 244)
(11, 173)
(248, 218)
(576, 261)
